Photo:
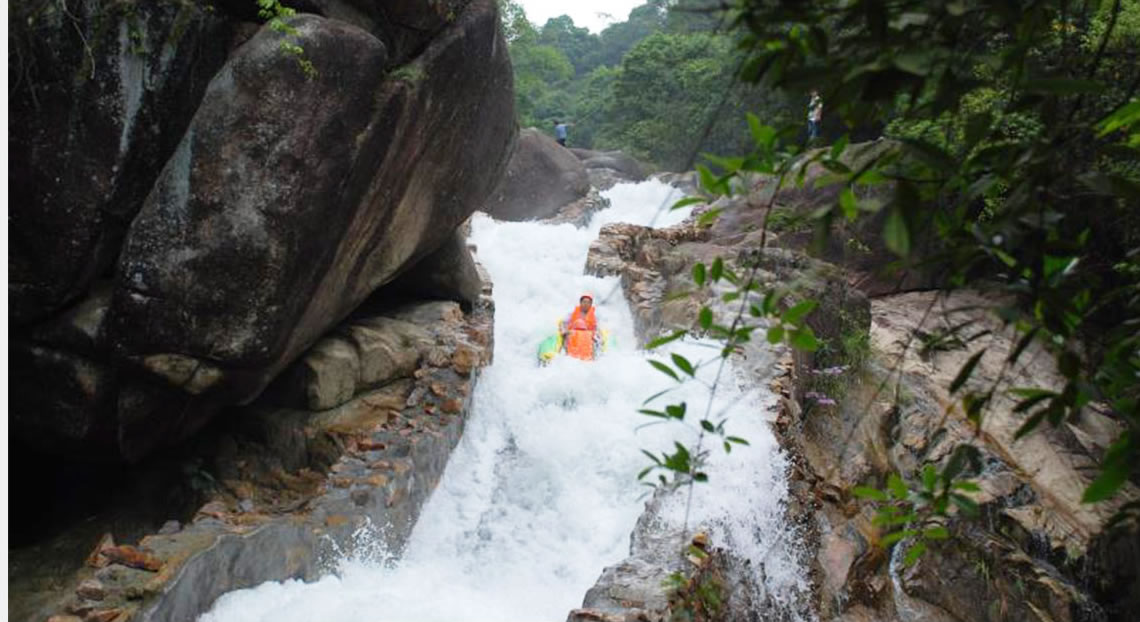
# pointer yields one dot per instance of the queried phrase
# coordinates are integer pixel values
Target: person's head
(556, 122)
(585, 301)
(815, 92)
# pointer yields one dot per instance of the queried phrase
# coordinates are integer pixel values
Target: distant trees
(658, 85)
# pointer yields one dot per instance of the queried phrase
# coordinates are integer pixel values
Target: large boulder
(284, 202)
(243, 261)
(542, 177)
(449, 273)
(626, 166)
(100, 96)
(404, 26)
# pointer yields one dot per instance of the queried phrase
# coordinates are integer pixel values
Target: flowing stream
(541, 493)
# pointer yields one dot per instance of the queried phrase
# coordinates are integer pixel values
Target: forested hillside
(659, 85)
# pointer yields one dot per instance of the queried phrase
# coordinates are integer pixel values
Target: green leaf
(1031, 423)
(717, 269)
(653, 413)
(804, 340)
(699, 274)
(963, 456)
(707, 426)
(896, 234)
(913, 553)
(895, 536)
(966, 371)
(964, 503)
(708, 180)
(676, 411)
(866, 492)
(705, 318)
(835, 166)
(707, 218)
(929, 477)
(839, 146)
(683, 364)
(660, 341)
(1022, 344)
(775, 334)
(848, 204)
(936, 533)
(1114, 472)
(1125, 116)
(665, 369)
(687, 201)
(897, 487)
(737, 440)
(795, 314)
(763, 135)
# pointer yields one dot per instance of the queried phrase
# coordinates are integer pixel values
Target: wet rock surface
(192, 211)
(282, 491)
(581, 211)
(1035, 553)
(620, 165)
(101, 94)
(268, 274)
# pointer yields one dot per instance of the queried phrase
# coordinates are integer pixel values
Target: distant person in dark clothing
(814, 115)
(560, 132)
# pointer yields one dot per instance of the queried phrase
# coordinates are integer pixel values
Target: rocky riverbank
(290, 490)
(872, 401)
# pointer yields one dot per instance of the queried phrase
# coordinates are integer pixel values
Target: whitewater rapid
(541, 493)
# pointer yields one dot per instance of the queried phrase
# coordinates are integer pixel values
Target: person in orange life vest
(580, 330)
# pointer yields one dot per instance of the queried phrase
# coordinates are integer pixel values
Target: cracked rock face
(203, 238)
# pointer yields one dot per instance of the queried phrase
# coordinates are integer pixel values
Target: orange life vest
(580, 330)
(582, 321)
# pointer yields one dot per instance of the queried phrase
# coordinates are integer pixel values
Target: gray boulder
(447, 274)
(284, 202)
(99, 97)
(625, 165)
(541, 178)
(325, 189)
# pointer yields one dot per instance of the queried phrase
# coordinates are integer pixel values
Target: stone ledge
(303, 484)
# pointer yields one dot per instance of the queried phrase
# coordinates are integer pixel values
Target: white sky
(589, 13)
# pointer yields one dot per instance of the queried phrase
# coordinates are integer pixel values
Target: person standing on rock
(815, 114)
(560, 132)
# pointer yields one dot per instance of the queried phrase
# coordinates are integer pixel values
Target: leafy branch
(276, 15)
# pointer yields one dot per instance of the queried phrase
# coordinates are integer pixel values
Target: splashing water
(541, 492)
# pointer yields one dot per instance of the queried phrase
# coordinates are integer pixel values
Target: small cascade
(541, 493)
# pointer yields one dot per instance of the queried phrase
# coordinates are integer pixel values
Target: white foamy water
(541, 493)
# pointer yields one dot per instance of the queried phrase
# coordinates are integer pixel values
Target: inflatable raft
(552, 346)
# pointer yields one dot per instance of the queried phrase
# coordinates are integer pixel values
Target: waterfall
(541, 492)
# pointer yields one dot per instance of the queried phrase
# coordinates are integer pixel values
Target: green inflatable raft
(552, 346)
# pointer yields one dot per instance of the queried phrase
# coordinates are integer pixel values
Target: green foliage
(638, 85)
(700, 596)
(276, 15)
(766, 312)
(917, 513)
(1016, 170)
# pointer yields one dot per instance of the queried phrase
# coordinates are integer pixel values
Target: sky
(593, 14)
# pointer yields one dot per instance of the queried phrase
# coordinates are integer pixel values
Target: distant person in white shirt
(815, 114)
(560, 132)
